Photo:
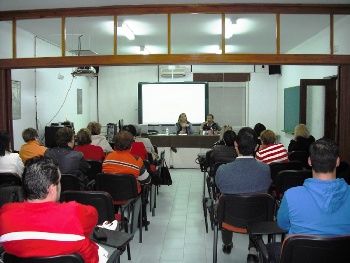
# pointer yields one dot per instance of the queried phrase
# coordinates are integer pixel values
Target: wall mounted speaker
(274, 69)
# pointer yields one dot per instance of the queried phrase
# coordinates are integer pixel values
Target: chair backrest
(95, 168)
(237, 211)
(102, 201)
(290, 178)
(301, 156)
(208, 163)
(119, 186)
(315, 249)
(8, 179)
(71, 258)
(276, 167)
(69, 182)
(343, 171)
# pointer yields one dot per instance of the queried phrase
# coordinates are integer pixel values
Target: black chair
(301, 156)
(276, 167)
(343, 171)
(95, 168)
(101, 200)
(287, 179)
(69, 182)
(9, 179)
(124, 192)
(312, 249)
(236, 212)
(71, 258)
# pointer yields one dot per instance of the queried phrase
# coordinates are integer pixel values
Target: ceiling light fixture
(125, 30)
(230, 27)
(144, 51)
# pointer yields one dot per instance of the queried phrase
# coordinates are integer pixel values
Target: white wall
(45, 97)
(117, 90)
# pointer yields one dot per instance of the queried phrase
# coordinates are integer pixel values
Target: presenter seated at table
(183, 126)
(209, 124)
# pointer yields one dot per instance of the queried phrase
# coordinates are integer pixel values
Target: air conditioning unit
(175, 73)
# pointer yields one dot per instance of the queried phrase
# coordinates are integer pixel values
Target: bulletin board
(291, 108)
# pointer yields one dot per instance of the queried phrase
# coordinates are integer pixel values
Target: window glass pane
(142, 34)
(195, 33)
(6, 39)
(38, 38)
(251, 33)
(341, 34)
(305, 34)
(87, 36)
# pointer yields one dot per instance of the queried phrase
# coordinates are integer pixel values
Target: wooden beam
(178, 9)
(176, 59)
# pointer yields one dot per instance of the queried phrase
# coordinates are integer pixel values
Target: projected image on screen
(162, 103)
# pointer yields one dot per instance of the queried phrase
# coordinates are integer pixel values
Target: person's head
(210, 118)
(130, 128)
(246, 141)
(84, 136)
(324, 156)
(29, 134)
(65, 137)
(41, 179)
(224, 129)
(301, 131)
(5, 140)
(182, 118)
(229, 138)
(258, 128)
(123, 140)
(94, 127)
(267, 137)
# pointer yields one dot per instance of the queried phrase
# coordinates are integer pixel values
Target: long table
(181, 151)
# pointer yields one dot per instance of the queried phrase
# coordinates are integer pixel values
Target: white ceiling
(191, 34)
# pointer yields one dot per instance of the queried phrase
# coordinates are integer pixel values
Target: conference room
(85, 79)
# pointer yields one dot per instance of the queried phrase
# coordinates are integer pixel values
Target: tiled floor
(177, 231)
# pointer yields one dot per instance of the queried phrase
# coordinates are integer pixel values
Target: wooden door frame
(330, 115)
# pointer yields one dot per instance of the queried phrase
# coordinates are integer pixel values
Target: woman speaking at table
(183, 126)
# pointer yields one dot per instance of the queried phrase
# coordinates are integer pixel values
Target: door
(326, 92)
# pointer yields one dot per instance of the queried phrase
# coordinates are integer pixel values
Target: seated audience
(242, 176)
(148, 145)
(46, 227)
(209, 124)
(31, 148)
(258, 128)
(321, 205)
(183, 126)
(269, 151)
(9, 162)
(302, 139)
(90, 151)
(121, 161)
(223, 130)
(97, 139)
(137, 148)
(225, 153)
(70, 161)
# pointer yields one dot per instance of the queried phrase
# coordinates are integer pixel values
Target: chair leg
(204, 203)
(128, 250)
(215, 249)
(140, 224)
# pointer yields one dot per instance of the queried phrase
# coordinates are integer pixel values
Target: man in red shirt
(42, 227)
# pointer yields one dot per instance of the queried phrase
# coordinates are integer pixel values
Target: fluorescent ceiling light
(230, 27)
(125, 30)
(144, 51)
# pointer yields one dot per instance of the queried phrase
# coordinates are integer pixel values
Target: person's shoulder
(10, 206)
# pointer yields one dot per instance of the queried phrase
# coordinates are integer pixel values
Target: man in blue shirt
(322, 205)
(242, 176)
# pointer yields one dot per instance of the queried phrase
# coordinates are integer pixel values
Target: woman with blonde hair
(302, 139)
(97, 139)
(183, 126)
